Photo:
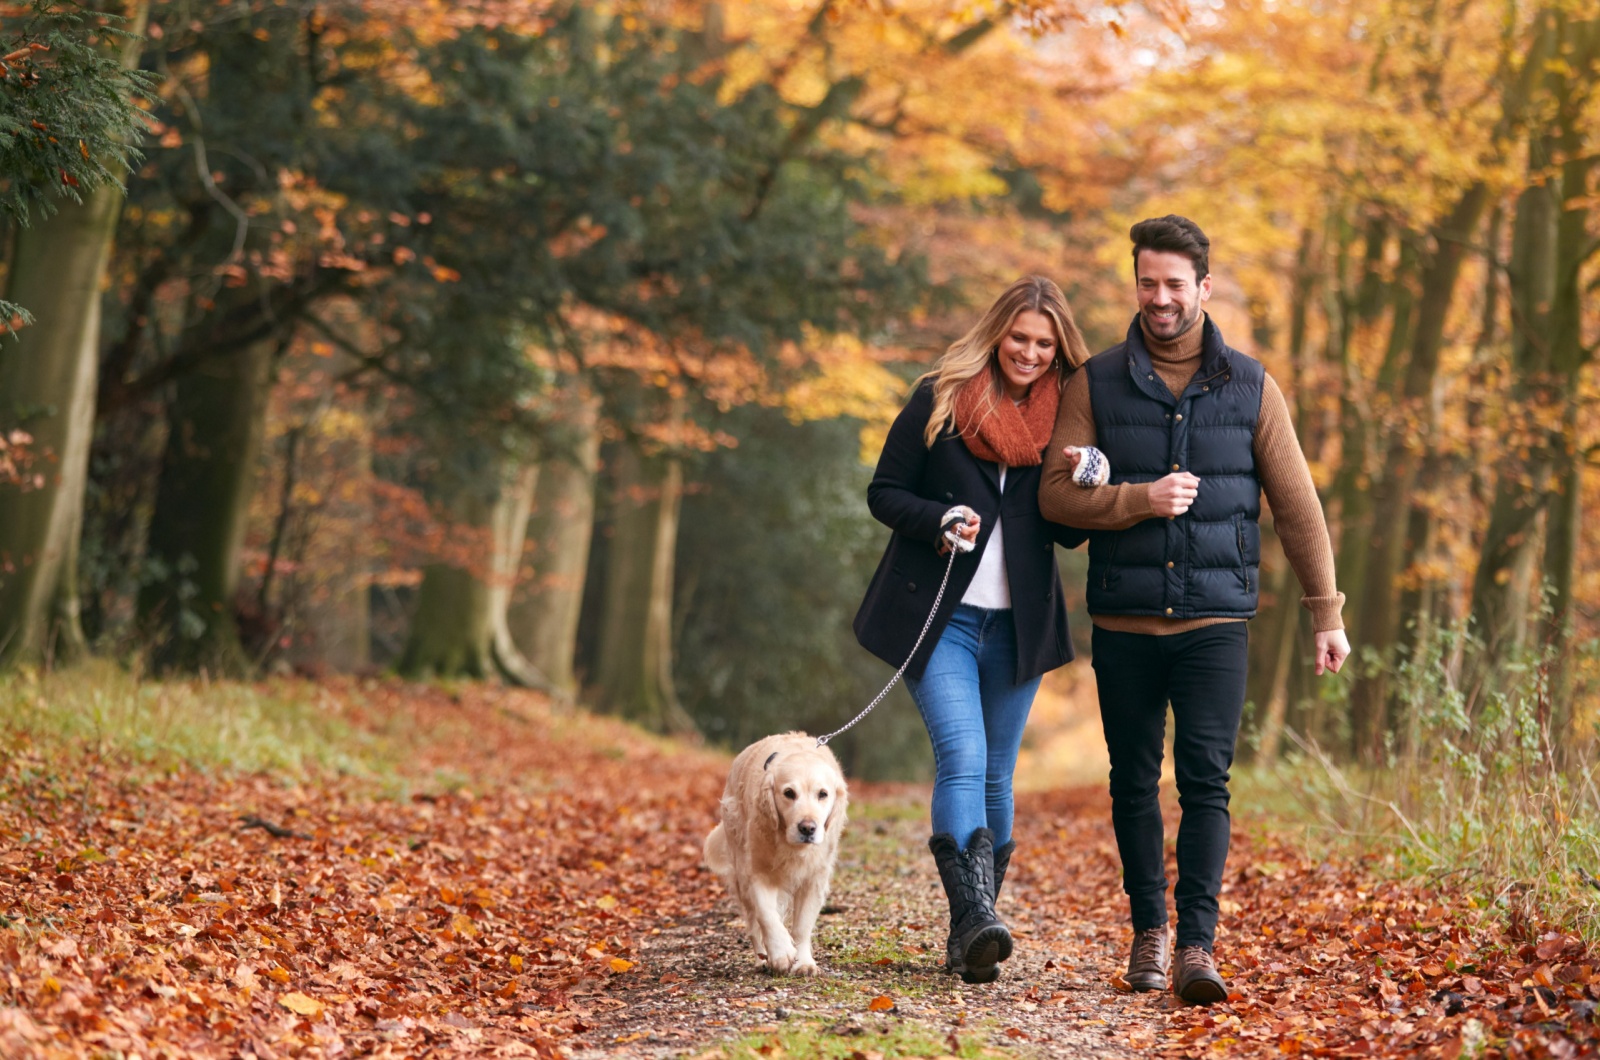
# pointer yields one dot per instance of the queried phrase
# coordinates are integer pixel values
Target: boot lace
(1148, 951)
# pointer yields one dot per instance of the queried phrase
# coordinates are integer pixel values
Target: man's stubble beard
(1185, 324)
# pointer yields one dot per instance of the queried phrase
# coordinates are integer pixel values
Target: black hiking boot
(978, 941)
(1002, 861)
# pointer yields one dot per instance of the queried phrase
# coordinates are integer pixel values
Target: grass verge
(99, 710)
(1485, 789)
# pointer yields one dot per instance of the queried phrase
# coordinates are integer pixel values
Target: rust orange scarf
(995, 429)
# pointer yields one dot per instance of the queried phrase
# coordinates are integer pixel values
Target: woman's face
(1026, 350)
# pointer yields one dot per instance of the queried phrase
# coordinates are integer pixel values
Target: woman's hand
(1088, 465)
(966, 528)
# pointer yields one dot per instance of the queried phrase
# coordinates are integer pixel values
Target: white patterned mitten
(1093, 468)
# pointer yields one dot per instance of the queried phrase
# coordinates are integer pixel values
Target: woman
(964, 456)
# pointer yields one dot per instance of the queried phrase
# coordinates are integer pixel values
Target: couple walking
(984, 456)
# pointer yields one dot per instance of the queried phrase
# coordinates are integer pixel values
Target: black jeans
(1202, 673)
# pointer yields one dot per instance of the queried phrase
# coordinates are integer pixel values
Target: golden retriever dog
(782, 812)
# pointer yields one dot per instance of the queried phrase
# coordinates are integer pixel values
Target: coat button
(1169, 610)
(911, 587)
(1169, 564)
(1180, 416)
(1205, 388)
(949, 496)
(1174, 467)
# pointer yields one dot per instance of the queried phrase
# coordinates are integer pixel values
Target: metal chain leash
(948, 567)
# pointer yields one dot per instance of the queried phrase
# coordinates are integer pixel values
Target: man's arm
(1064, 501)
(1297, 517)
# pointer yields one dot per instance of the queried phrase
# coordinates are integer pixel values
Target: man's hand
(1333, 648)
(1171, 496)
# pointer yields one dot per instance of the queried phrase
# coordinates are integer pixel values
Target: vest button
(1174, 467)
(1205, 388)
(1180, 415)
(911, 587)
(1169, 564)
(1169, 610)
(949, 496)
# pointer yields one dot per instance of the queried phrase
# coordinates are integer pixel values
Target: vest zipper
(1244, 562)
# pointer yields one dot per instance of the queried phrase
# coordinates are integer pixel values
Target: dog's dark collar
(768, 762)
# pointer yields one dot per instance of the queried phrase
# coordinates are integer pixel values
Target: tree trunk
(634, 670)
(450, 630)
(459, 627)
(1279, 658)
(1499, 613)
(1379, 621)
(508, 527)
(544, 614)
(48, 379)
(216, 422)
(1568, 354)
(1361, 450)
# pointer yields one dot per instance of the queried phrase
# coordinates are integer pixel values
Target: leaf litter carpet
(533, 888)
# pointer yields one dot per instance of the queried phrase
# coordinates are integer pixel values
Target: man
(1194, 432)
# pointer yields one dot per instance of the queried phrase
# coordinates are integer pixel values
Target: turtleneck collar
(1179, 349)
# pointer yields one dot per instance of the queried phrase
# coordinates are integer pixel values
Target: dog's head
(808, 794)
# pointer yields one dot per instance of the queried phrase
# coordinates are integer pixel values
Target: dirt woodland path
(532, 887)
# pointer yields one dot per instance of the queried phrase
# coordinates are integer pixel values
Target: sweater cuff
(1325, 611)
(1142, 508)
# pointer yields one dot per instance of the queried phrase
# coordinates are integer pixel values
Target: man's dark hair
(1176, 234)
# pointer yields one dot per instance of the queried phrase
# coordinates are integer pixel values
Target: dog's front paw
(780, 960)
(804, 966)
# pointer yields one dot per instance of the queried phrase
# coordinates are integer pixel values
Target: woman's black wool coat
(910, 492)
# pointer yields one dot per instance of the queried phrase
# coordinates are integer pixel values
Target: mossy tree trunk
(544, 613)
(216, 422)
(48, 379)
(459, 627)
(633, 675)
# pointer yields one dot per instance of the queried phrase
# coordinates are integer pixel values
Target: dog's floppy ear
(837, 807)
(769, 788)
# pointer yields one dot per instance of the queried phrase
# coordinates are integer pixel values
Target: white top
(989, 587)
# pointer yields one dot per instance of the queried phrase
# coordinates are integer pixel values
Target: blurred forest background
(553, 342)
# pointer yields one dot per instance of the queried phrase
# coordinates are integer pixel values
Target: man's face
(1171, 296)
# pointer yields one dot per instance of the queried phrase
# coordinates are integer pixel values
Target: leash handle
(822, 741)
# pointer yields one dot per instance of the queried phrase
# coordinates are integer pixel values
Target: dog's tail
(718, 858)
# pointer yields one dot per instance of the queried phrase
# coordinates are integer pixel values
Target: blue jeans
(975, 712)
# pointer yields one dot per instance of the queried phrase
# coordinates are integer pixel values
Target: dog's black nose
(806, 829)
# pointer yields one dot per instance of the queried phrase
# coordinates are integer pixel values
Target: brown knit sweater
(1285, 478)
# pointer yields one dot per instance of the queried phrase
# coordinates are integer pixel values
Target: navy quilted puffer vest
(1204, 563)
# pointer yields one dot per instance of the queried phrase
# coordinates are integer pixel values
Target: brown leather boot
(1195, 977)
(1147, 963)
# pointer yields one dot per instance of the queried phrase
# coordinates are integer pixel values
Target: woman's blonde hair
(978, 350)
